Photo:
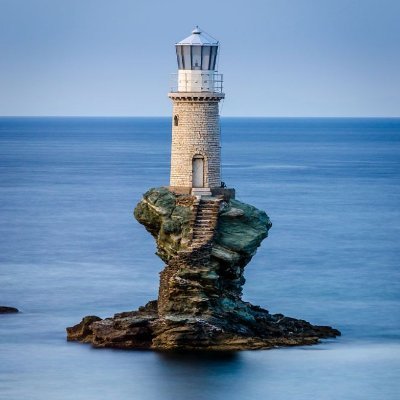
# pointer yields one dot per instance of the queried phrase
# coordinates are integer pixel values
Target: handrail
(185, 84)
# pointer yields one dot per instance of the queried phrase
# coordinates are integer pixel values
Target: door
(198, 171)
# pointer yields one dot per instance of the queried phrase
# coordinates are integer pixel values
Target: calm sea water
(70, 247)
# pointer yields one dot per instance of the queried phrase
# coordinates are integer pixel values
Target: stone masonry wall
(197, 133)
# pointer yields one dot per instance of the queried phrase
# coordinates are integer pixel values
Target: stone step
(204, 235)
(201, 237)
(207, 212)
(198, 245)
(204, 224)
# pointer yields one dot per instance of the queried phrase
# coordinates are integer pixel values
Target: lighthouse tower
(196, 149)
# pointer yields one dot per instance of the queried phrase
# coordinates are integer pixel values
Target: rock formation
(205, 244)
(8, 310)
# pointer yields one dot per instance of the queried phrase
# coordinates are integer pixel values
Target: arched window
(176, 120)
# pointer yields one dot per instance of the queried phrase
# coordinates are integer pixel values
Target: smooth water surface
(70, 247)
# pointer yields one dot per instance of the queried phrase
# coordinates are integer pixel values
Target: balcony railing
(202, 82)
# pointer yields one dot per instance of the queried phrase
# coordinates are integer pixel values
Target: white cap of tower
(199, 38)
(197, 59)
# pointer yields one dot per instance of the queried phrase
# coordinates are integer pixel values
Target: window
(176, 120)
(213, 57)
(179, 57)
(187, 57)
(196, 57)
(206, 57)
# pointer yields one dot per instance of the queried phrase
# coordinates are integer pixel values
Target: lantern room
(197, 52)
(197, 60)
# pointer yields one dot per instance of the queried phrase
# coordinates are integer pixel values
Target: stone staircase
(205, 222)
(182, 276)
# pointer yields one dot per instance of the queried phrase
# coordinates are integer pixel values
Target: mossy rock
(244, 231)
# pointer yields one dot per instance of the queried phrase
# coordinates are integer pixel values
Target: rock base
(206, 244)
(144, 329)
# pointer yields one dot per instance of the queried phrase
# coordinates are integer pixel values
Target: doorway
(198, 171)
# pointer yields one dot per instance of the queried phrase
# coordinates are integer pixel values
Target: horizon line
(223, 116)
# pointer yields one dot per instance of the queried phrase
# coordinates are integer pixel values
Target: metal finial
(196, 30)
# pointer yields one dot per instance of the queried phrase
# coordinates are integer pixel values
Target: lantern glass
(187, 59)
(206, 57)
(196, 57)
(213, 59)
(179, 57)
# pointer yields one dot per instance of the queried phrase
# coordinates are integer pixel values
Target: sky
(296, 58)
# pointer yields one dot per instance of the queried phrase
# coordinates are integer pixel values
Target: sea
(70, 247)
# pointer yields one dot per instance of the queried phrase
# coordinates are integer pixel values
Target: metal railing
(204, 82)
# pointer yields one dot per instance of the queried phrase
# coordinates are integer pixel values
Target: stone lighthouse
(196, 149)
(204, 236)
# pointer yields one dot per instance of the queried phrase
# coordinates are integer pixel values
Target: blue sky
(278, 57)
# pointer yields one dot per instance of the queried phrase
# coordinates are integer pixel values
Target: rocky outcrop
(206, 244)
(8, 310)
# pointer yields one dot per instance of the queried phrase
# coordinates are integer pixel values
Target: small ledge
(196, 96)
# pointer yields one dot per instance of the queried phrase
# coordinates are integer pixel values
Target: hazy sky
(278, 57)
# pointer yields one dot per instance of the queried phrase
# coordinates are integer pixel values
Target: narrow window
(176, 120)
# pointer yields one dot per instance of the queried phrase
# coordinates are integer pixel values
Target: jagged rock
(82, 331)
(232, 212)
(8, 310)
(206, 245)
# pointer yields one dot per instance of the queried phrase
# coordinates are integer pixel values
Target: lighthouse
(196, 145)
